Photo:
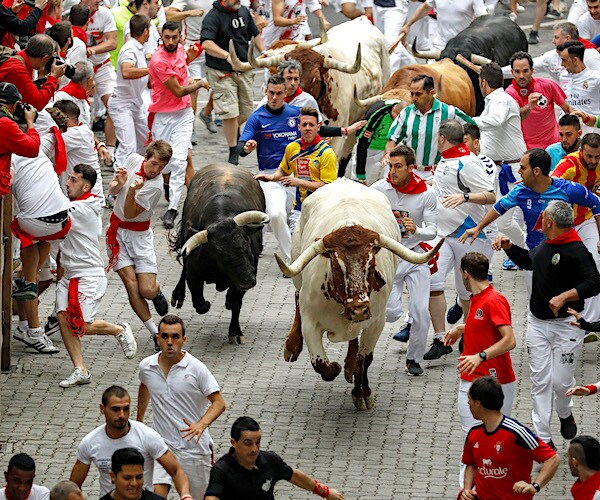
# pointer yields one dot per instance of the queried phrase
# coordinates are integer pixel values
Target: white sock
(35, 332)
(151, 326)
(24, 325)
(439, 336)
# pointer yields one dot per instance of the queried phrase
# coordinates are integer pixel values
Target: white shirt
(77, 53)
(130, 92)
(153, 40)
(80, 250)
(193, 25)
(37, 493)
(81, 148)
(587, 26)
(473, 179)
(491, 170)
(183, 394)
(147, 196)
(85, 111)
(583, 92)
(35, 187)
(550, 63)
(453, 16)
(500, 125)
(101, 22)
(98, 448)
(421, 208)
(296, 32)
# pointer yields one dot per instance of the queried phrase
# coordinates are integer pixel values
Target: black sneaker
(534, 38)
(568, 427)
(234, 156)
(413, 368)
(51, 326)
(169, 218)
(25, 291)
(553, 13)
(552, 445)
(437, 350)
(160, 304)
(454, 314)
(403, 335)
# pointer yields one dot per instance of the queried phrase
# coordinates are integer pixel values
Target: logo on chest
(303, 167)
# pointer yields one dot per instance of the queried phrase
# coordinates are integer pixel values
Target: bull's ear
(252, 228)
(326, 254)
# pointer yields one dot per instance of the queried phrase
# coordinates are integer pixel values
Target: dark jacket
(10, 22)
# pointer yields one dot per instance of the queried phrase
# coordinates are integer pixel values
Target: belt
(500, 162)
(98, 66)
(425, 168)
(58, 218)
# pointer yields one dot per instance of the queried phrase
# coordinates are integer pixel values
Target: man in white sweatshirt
(80, 290)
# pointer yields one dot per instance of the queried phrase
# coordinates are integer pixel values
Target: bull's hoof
(370, 402)
(177, 302)
(237, 339)
(359, 403)
(328, 371)
(291, 356)
(204, 308)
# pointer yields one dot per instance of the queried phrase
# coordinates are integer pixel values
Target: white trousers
(175, 128)
(389, 20)
(554, 347)
(416, 277)
(278, 198)
(588, 232)
(131, 127)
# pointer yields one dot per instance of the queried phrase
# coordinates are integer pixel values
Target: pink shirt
(163, 66)
(540, 128)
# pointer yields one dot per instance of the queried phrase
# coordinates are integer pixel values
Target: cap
(9, 93)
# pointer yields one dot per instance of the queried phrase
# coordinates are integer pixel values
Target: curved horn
(251, 217)
(476, 59)
(369, 101)
(426, 54)
(331, 63)
(404, 253)
(200, 238)
(236, 64)
(323, 38)
(296, 267)
(263, 62)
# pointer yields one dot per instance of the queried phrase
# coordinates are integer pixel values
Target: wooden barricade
(6, 280)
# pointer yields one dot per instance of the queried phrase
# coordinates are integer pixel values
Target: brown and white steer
(345, 253)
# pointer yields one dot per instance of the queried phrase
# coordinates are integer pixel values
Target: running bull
(345, 258)
(220, 239)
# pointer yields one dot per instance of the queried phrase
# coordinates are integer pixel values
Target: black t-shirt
(221, 25)
(146, 495)
(230, 481)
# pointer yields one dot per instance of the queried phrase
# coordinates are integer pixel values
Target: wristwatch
(483, 355)
(466, 195)
(536, 486)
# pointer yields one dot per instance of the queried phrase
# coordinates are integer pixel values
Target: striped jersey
(503, 457)
(420, 131)
(312, 162)
(572, 168)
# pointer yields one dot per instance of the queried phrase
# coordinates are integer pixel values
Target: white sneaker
(127, 341)
(513, 17)
(520, 8)
(76, 378)
(19, 334)
(37, 340)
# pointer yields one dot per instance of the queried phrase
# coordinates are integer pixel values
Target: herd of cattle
(344, 257)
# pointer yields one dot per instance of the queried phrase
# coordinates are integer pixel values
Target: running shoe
(127, 341)
(78, 377)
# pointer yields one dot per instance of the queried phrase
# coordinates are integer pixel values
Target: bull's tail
(178, 238)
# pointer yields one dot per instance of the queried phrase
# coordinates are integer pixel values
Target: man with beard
(120, 432)
(569, 131)
(171, 111)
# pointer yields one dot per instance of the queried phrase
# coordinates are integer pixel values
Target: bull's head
(353, 275)
(228, 240)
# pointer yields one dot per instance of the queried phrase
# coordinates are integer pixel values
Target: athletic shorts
(232, 95)
(136, 249)
(91, 291)
(196, 467)
(106, 79)
(197, 68)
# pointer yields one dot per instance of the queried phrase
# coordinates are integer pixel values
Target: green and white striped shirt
(420, 131)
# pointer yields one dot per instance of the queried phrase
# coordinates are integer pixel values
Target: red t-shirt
(503, 457)
(540, 128)
(489, 310)
(586, 490)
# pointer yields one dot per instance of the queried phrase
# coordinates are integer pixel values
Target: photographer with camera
(71, 50)
(81, 87)
(18, 70)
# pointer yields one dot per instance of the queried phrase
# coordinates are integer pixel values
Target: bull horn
(251, 217)
(426, 54)
(368, 102)
(200, 238)
(236, 64)
(344, 67)
(264, 62)
(480, 60)
(296, 267)
(404, 253)
(323, 38)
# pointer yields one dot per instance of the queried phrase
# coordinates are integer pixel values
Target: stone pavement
(408, 447)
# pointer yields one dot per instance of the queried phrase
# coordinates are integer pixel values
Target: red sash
(74, 313)
(112, 243)
(433, 268)
(151, 115)
(27, 239)
(60, 152)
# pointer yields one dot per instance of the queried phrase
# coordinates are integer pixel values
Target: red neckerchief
(524, 91)
(456, 151)
(22, 54)
(63, 55)
(142, 172)
(79, 32)
(569, 237)
(586, 43)
(293, 96)
(415, 185)
(76, 90)
(52, 20)
(85, 196)
(227, 8)
(316, 141)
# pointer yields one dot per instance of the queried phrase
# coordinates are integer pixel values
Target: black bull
(223, 214)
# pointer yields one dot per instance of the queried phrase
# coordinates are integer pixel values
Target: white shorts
(106, 79)
(136, 248)
(38, 228)
(91, 291)
(197, 68)
(196, 467)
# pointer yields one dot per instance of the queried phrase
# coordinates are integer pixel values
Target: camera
(19, 114)
(69, 70)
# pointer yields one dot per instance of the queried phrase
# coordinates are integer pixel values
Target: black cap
(9, 93)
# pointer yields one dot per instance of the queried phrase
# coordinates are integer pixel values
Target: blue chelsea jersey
(272, 134)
